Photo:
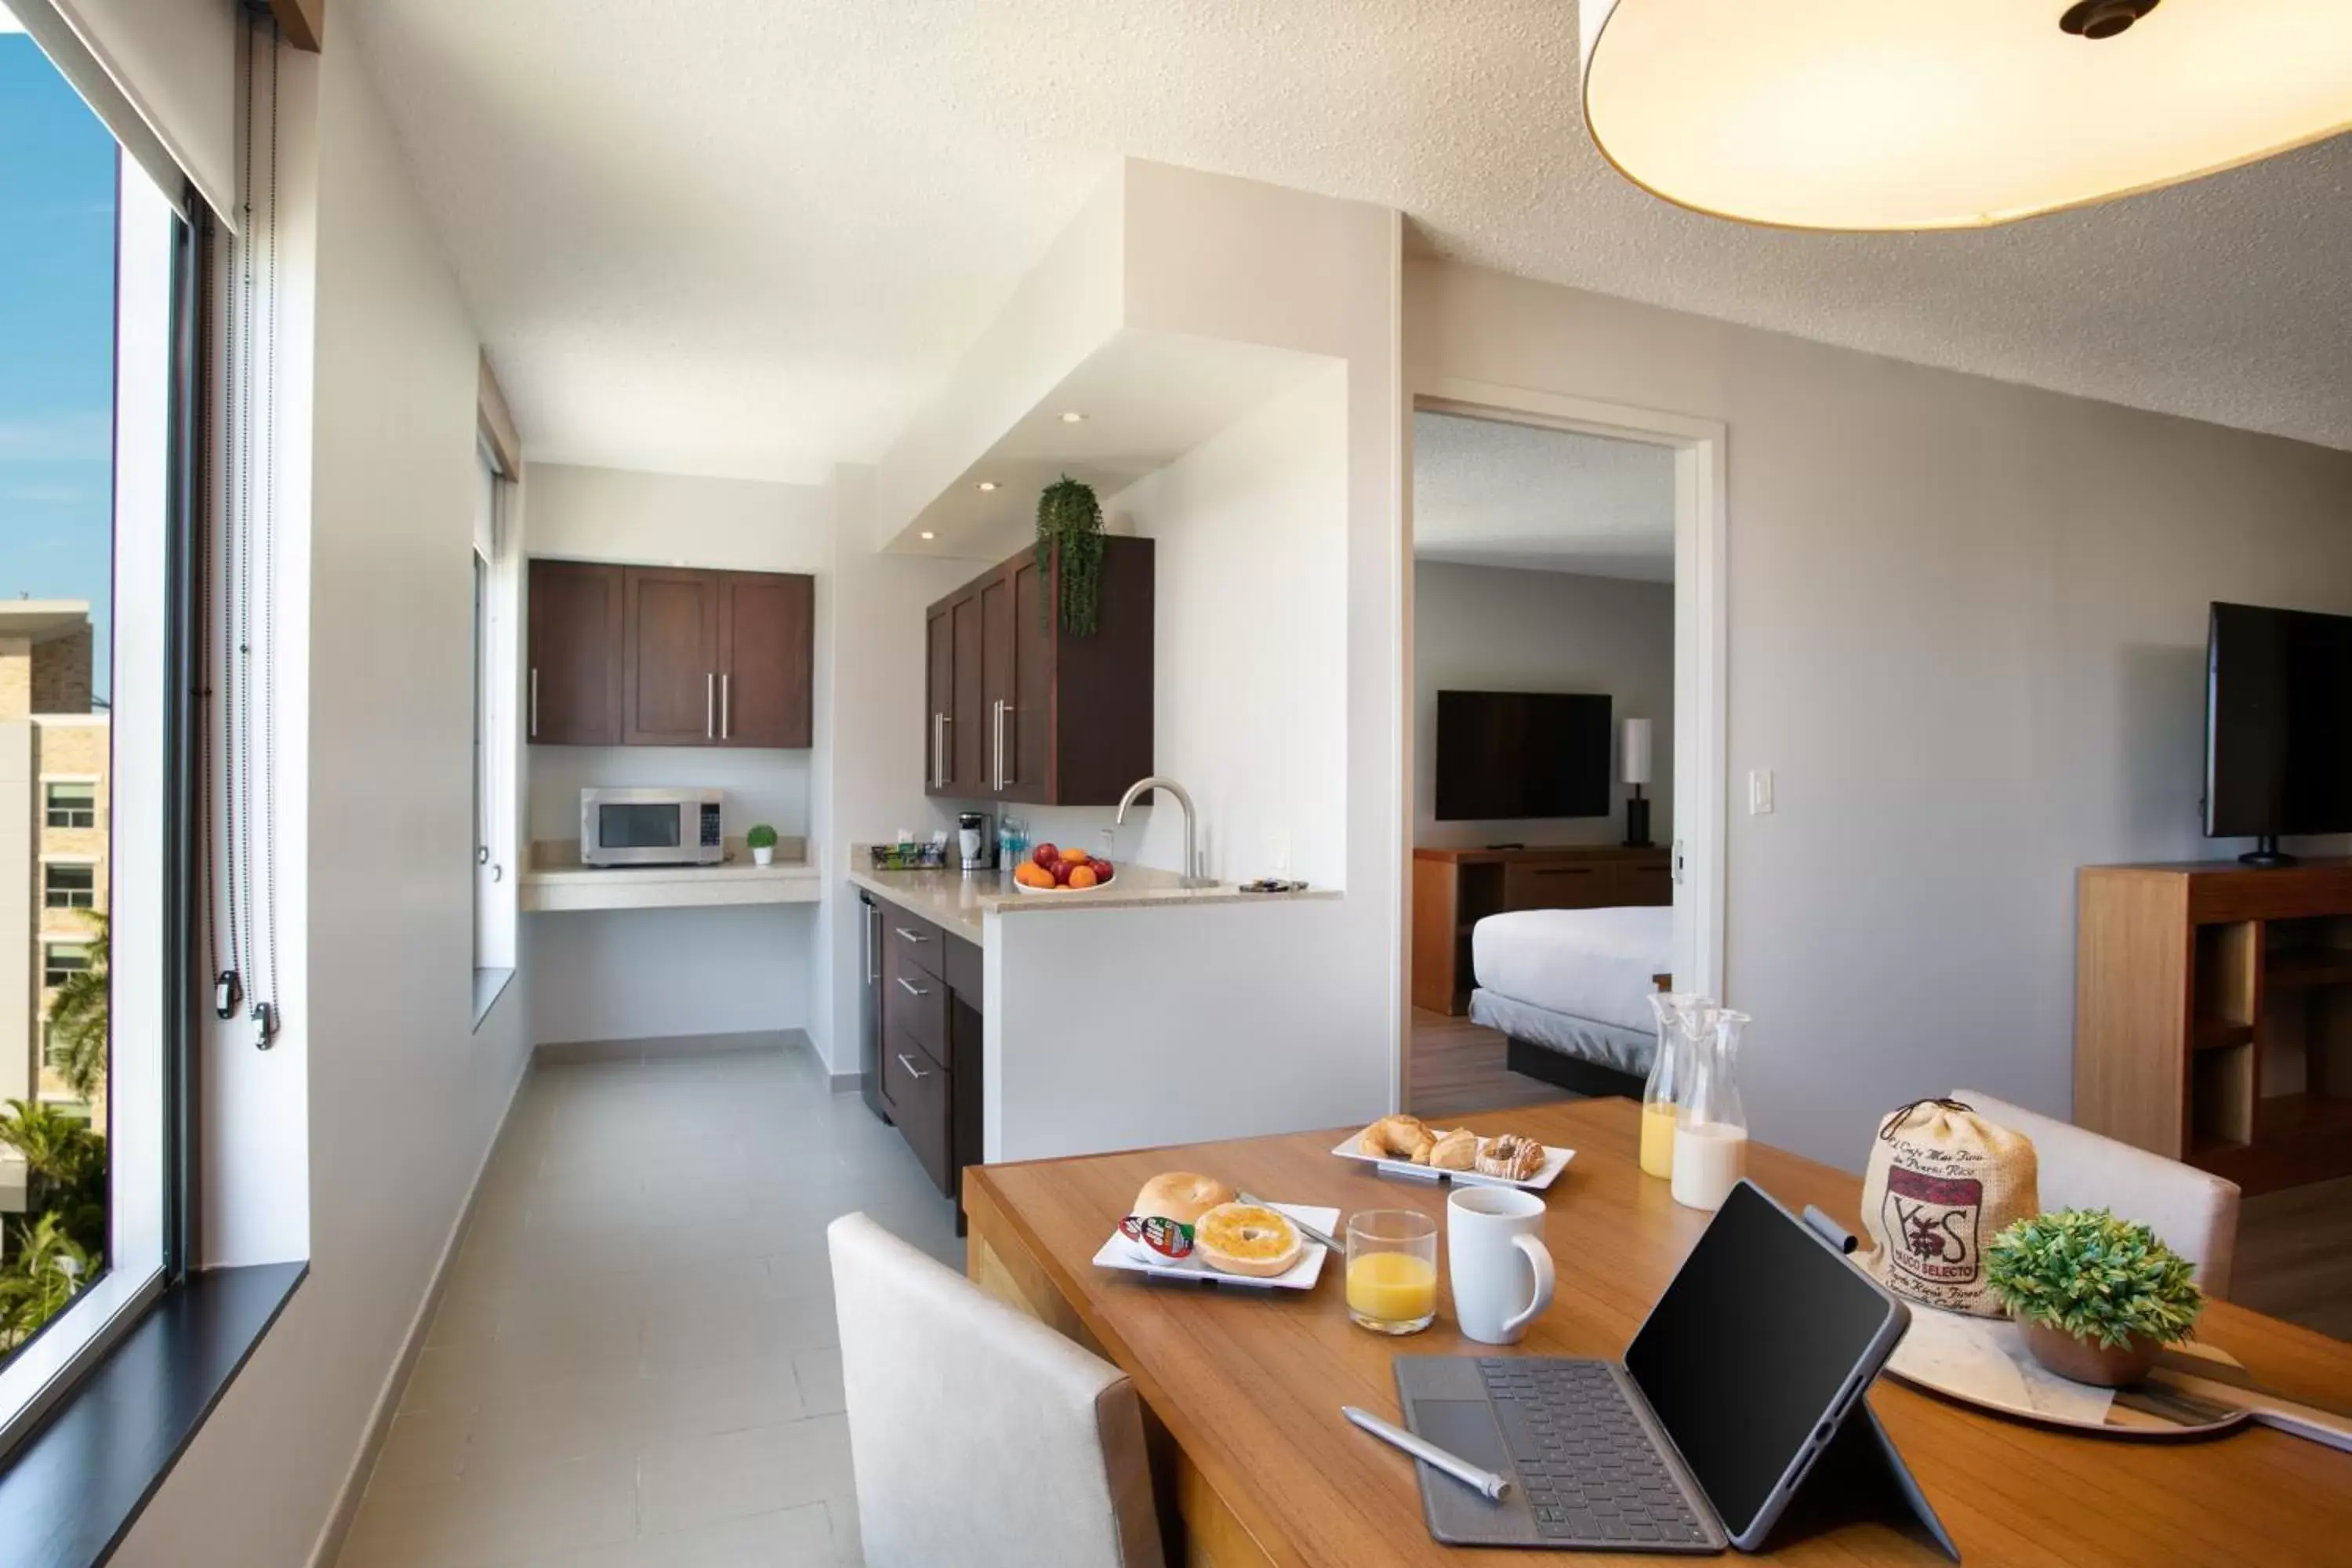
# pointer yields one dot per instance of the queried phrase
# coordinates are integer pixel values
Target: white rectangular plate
(1120, 1253)
(1555, 1161)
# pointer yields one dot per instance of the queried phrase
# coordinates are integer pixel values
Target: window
(61, 961)
(73, 804)
(65, 886)
(495, 667)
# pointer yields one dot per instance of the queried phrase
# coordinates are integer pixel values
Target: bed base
(1578, 1076)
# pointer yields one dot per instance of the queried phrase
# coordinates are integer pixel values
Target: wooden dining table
(1253, 1463)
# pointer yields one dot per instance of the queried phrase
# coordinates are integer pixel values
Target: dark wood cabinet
(659, 655)
(574, 684)
(1024, 711)
(930, 1043)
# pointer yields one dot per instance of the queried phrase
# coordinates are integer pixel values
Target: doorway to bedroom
(1564, 723)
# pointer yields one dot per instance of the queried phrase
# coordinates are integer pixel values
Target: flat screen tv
(2278, 726)
(1509, 756)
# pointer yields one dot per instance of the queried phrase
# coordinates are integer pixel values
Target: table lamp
(1637, 773)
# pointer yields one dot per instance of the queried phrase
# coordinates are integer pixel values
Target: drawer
(1555, 884)
(913, 937)
(914, 999)
(919, 1091)
(963, 971)
(1646, 882)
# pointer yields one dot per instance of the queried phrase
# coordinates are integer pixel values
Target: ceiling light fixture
(1072, 416)
(1863, 115)
(928, 534)
(988, 484)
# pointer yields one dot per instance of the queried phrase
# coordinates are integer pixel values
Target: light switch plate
(1760, 792)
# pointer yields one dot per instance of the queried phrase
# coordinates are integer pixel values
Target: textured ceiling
(746, 236)
(1490, 494)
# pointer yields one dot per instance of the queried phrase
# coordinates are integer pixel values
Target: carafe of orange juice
(1683, 1018)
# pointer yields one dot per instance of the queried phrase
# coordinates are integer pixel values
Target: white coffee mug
(1488, 1231)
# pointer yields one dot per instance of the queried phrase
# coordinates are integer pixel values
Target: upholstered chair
(979, 1436)
(2191, 1211)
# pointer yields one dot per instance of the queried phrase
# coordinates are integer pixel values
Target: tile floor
(633, 1363)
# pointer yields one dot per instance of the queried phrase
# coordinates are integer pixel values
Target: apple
(1046, 855)
(1102, 870)
(1061, 873)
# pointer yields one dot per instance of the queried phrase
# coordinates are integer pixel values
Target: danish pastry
(1244, 1238)
(1397, 1138)
(1510, 1156)
(1455, 1151)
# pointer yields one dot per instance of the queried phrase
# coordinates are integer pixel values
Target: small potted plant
(762, 842)
(2096, 1297)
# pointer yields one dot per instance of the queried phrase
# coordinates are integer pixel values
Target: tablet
(1758, 1345)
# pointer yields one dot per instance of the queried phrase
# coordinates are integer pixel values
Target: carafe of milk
(1710, 1120)
(1681, 1014)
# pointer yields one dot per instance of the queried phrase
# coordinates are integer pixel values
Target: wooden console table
(1454, 889)
(2213, 1015)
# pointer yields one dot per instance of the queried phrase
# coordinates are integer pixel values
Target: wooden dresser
(2213, 1015)
(1454, 889)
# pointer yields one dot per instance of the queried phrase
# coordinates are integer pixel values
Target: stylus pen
(1461, 1470)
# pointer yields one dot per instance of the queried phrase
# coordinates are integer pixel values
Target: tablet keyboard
(1585, 1458)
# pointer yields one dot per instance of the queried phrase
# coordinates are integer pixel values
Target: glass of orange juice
(1392, 1270)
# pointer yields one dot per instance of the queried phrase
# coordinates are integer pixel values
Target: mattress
(1597, 964)
(1587, 1039)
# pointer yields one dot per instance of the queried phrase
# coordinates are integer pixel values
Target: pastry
(1508, 1155)
(1181, 1196)
(1243, 1239)
(1455, 1151)
(1397, 1138)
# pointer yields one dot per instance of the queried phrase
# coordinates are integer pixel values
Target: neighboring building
(54, 758)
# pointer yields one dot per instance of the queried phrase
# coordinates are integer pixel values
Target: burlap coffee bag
(1942, 1182)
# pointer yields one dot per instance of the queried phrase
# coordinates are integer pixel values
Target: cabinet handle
(726, 706)
(710, 704)
(996, 775)
(912, 1071)
(910, 988)
(940, 723)
(906, 935)
(534, 703)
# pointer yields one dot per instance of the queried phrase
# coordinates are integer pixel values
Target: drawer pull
(910, 988)
(906, 935)
(1560, 870)
(912, 1071)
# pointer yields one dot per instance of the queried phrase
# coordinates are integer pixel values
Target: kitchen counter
(557, 881)
(961, 903)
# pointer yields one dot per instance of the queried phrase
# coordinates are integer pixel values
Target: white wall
(1966, 626)
(1489, 628)
(1250, 693)
(648, 974)
(402, 1096)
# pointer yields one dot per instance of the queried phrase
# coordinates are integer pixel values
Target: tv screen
(2278, 722)
(1515, 755)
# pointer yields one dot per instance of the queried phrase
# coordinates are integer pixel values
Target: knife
(1309, 1231)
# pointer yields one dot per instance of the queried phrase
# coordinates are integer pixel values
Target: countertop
(961, 903)
(557, 881)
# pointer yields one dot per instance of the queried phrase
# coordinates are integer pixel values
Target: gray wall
(1966, 631)
(1489, 628)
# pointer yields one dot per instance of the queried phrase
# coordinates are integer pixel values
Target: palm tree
(39, 1279)
(65, 1174)
(78, 1019)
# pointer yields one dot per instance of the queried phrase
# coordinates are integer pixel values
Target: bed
(1571, 990)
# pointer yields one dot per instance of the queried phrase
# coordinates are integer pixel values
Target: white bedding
(1595, 964)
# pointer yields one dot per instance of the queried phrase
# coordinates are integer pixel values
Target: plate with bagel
(1194, 1228)
(1407, 1146)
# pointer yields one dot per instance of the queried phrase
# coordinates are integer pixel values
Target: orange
(1083, 876)
(1030, 875)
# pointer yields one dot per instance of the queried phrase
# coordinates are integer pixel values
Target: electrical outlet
(1760, 792)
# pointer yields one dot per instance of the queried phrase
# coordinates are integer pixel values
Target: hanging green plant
(1070, 523)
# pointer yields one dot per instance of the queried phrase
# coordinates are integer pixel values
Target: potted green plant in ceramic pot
(2096, 1297)
(761, 840)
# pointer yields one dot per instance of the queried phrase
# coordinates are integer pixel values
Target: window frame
(54, 863)
(49, 782)
(496, 663)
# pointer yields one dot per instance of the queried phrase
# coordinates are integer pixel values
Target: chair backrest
(2191, 1211)
(979, 1435)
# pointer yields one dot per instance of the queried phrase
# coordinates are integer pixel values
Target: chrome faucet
(1191, 874)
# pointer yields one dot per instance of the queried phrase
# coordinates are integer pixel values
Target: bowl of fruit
(1049, 870)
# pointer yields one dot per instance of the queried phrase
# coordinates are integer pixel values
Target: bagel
(1457, 1150)
(1397, 1138)
(1510, 1156)
(1244, 1238)
(1181, 1196)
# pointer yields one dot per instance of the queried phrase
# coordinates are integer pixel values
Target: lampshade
(1877, 114)
(1637, 751)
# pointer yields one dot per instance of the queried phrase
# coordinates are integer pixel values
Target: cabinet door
(1029, 720)
(999, 637)
(939, 698)
(768, 639)
(672, 674)
(968, 718)
(572, 688)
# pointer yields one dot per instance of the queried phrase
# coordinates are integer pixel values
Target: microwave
(650, 827)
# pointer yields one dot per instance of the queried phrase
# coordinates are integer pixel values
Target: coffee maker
(975, 842)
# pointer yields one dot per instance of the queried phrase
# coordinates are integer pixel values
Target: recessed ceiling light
(1072, 416)
(1898, 118)
(988, 484)
(928, 534)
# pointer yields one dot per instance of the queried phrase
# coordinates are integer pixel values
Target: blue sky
(57, 337)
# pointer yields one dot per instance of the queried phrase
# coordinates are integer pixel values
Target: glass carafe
(1681, 1016)
(1710, 1120)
